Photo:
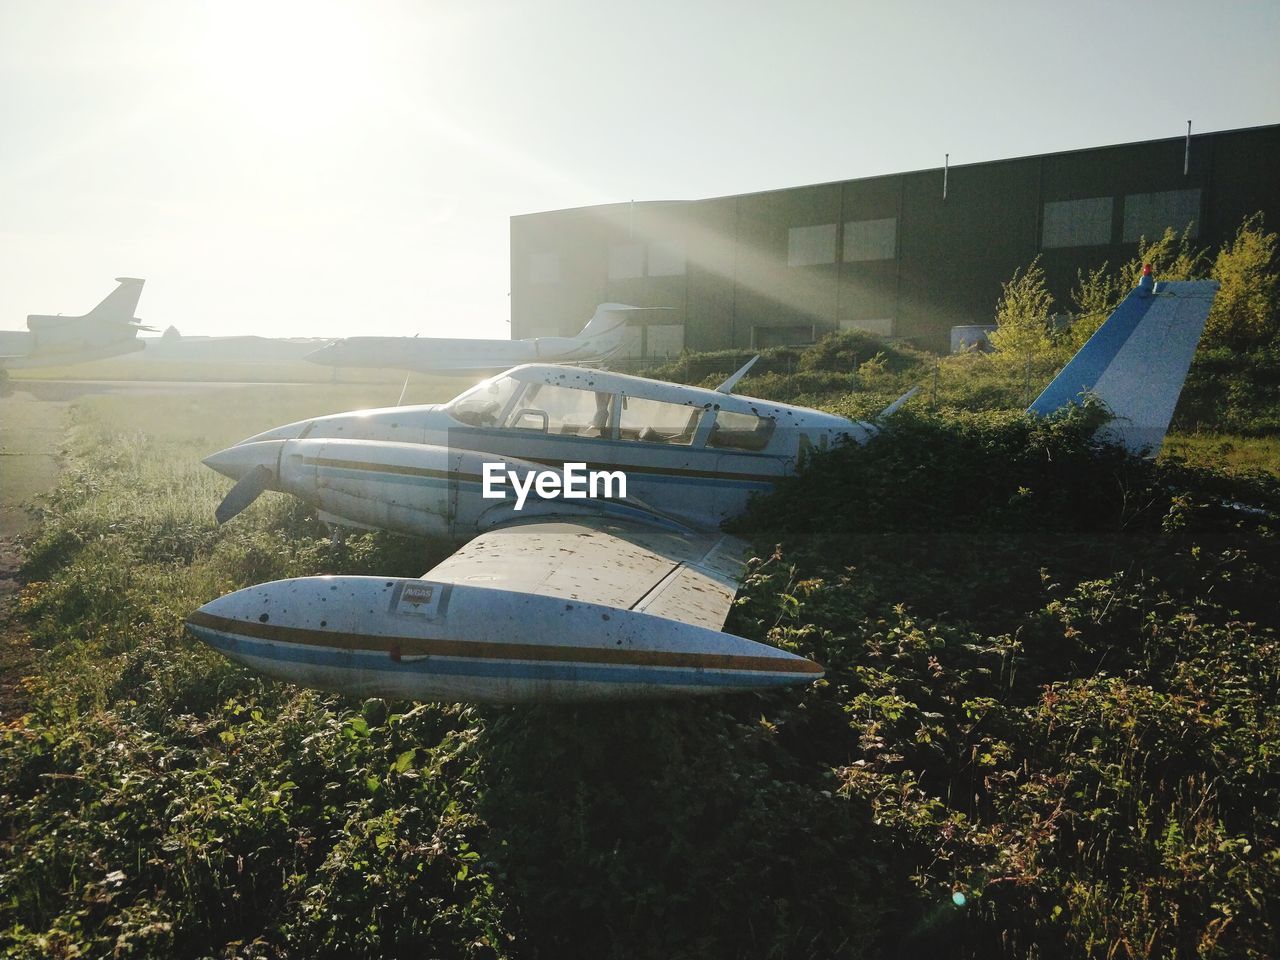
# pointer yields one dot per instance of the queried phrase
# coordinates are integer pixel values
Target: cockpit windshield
(485, 403)
(561, 410)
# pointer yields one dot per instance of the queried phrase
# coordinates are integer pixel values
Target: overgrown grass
(1230, 397)
(1233, 454)
(1052, 687)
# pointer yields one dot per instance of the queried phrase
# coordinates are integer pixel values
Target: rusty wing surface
(689, 577)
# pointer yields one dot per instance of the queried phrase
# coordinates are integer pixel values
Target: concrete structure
(887, 254)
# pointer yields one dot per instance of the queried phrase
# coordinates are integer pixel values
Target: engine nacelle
(391, 637)
(411, 488)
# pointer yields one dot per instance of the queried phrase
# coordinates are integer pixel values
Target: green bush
(1023, 326)
(1246, 312)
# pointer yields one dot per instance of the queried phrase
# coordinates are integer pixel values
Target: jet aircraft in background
(600, 339)
(595, 598)
(109, 329)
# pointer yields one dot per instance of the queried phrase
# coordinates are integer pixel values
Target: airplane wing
(691, 578)
(560, 610)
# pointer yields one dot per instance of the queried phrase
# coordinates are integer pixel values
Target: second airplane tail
(120, 303)
(1136, 362)
(610, 319)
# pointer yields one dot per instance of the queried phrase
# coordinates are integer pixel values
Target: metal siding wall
(645, 224)
(952, 256)
(956, 252)
(869, 288)
(710, 247)
(563, 307)
(1245, 178)
(769, 292)
(517, 289)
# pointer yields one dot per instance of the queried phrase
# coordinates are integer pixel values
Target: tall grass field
(1050, 723)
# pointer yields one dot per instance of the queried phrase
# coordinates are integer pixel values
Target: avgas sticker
(419, 599)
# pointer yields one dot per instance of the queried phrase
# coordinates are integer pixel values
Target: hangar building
(889, 254)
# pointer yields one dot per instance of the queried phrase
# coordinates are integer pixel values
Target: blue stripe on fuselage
(380, 662)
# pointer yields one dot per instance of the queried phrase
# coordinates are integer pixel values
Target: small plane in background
(108, 330)
(600, 339)
(596, 597)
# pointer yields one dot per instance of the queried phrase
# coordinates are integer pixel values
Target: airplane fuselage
(432, 355)
(689, 454)
(108, 330)
(603, 337)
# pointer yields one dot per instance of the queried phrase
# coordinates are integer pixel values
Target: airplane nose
(235, 462)
(290, 431)
(329, 354)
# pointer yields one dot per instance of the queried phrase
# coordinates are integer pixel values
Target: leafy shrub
(1023, 328)
(1246, 312)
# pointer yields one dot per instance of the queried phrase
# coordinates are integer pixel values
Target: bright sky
(313, 168)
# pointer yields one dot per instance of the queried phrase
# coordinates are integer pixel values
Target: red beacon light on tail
(1148, 282)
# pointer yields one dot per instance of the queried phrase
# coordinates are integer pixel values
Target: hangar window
(741, 431)
(810, 245)
(666, 258)
(781, 336)
(1077, 223)
(655, 421)
(880, 326)
(626, 260)
(870, 239)
(632, 343)
(544, 268)
(1148, 214)
(664, 339)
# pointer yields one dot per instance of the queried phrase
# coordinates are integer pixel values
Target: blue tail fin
(1137, 361)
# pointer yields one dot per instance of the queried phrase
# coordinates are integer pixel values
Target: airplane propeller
(246, 490)
(896, 405)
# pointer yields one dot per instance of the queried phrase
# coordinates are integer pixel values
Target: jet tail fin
(609, 317)
(120, 302)
(1137, 361)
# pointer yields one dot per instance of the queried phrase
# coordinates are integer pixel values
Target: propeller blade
(897, 404)
(247, 489)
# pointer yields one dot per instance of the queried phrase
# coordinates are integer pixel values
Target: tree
(1095, 295)
(1099, 291)
(1244, 313)
(1171, 257)
(1022, 316)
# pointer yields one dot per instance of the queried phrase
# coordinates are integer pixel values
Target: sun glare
(290, 66)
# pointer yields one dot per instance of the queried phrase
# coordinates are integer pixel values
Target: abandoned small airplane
(600, 339)
(108, 330)
(562, 598)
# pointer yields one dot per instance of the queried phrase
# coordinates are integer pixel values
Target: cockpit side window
(655, 421)
(552, 409)
(741, 431)
(487, 403)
